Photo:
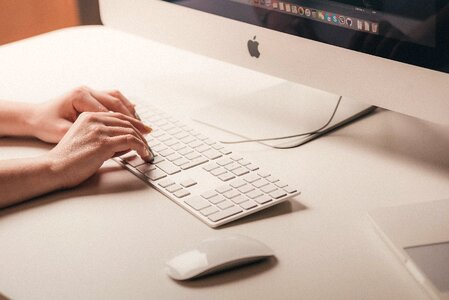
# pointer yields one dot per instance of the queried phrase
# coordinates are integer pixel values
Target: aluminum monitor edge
(400, 87)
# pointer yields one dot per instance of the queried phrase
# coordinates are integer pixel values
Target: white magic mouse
(217, 254)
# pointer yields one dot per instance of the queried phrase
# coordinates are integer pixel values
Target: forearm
(16, 119)
(23, 179)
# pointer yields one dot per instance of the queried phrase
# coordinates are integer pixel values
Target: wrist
(52, 172)
(16, 119)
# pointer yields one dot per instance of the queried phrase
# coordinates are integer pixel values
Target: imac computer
(392, 54)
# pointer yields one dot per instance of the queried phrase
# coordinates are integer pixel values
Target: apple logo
(253, 48)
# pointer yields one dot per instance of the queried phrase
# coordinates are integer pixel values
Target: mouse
(216, 254)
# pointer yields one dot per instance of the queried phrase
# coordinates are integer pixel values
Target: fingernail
(147, 128)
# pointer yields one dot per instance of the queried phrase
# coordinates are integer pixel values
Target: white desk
(109, 238)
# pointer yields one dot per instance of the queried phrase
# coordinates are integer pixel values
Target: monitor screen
(409, 31)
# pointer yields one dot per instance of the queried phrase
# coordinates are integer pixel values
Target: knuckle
(115, 93)
(130, 138)
(81, 90)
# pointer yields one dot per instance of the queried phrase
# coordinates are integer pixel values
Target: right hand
(93, 139)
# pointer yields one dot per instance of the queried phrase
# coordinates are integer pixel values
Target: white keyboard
(201, 175)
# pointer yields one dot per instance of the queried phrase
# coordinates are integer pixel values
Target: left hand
(52, 120)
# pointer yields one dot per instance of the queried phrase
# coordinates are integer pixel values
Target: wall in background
(20, 19)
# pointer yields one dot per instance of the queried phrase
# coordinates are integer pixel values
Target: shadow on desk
(229, 276)
(280, 209)
(406, 138)
(96, 185)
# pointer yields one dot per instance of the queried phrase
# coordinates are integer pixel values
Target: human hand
(51, 120)
(93, 139)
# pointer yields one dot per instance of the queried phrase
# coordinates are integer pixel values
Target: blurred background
(20, 19)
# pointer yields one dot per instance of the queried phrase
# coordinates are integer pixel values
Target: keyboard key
(238, 183)
(209, 141)
(268, 188)
(225, 204)
(185, 151)
(174, 131)
(251, 178)
(260, 183)
(248, 205)
(225, 151)
(208, 211)
(263, 174)
(166, 182)
(197, 203)
(181, 135)
(178, 146)
(182, 193)
(236, 157)
(159, 148)
(278, 194)
(252, 167)
(188, 139)
(173, 157)
(226, 176)
(168, 167)
(188, 183)
(240, 171)
(290, 189)
(201, 137)
(212, 154)
(181, 161)
(195, 143)
(196, 162)
(165, 138)
(211, 166)
(173, 188)
(217, 146)
(202, 148)
(193, 155)
(171, 142)
(224, 161)
(231, 194)
(263, 199)
(246, 189)
(209, 194)
(157, 159)
(223, 189)
(218, 172)
(244, 162)
(155, 175)
(232, 166)
(280, 184)
(225, 214)
(217, 199)
(254, 194)
(239, 199)
(145, 168)
(134, 160)
(166, 152)
(272, 179)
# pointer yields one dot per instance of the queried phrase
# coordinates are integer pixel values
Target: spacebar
(225, 214)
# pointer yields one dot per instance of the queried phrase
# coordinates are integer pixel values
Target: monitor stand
(281, 110)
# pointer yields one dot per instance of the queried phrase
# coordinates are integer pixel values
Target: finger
(112, 103)
(120, 127)
(117, 131)
(112, 118)
(130, 142)
(87, 103)
(126, 102)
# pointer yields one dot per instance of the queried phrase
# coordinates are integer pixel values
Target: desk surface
(110, 238)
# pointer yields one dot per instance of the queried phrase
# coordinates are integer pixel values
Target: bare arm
(87, 135)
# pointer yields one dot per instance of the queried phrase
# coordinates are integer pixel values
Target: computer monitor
(389, 53)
